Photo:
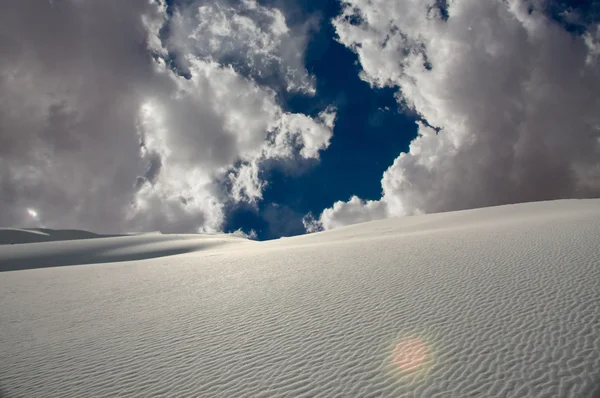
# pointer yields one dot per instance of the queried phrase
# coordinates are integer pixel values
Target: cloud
(343, 213)
(254, 39)
(300, 131)
(293, 138)
(509, 100)
(99, 132)
(250, 235)
(69, 89)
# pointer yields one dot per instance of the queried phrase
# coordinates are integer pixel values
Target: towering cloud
(116, 116)
(508, 100)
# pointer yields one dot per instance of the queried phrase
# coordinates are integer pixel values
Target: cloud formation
(509, 100)
(98, 132)
(254, 39)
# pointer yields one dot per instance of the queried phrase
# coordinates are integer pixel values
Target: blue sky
(369, 133)
(278, 117)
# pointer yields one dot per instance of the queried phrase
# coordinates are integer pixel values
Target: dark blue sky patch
(281, 221)
(369, 134)
(574, 15)
(243, 215)
(440, 9)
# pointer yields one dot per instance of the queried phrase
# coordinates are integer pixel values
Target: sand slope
(11, 236)
(497, 302)
(105, 250)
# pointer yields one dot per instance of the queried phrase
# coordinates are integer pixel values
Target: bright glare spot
(32, 213)
(409, 354)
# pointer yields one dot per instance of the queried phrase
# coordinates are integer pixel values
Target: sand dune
(105, 250)
(11, 236)
(496, 302)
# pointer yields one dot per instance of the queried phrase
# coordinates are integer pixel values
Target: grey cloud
(69, 85)
(255, 40)
(96, 132)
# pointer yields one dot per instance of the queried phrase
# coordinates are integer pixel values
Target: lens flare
(411, 358)
(409, 354)
(32, 213)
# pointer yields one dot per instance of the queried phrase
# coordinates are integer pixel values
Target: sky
(277, 118)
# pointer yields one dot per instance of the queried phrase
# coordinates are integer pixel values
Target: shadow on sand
(3, 393)
(9, 236)
(100, 250)
(596, 393)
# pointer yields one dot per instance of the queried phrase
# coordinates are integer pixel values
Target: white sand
(497, 302)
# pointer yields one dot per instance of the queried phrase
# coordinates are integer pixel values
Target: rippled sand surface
(495, 302)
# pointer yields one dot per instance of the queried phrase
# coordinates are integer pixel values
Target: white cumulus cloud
(255, 39)
(510, 99)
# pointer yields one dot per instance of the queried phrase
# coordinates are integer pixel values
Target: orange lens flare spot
(409, 354)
